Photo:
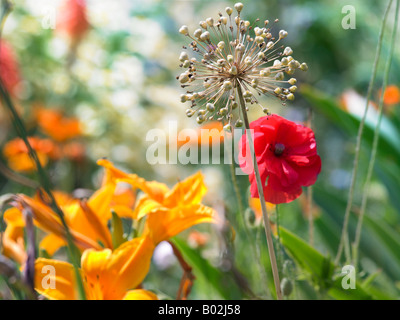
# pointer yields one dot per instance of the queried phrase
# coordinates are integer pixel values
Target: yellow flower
(168, 211)
(12, 239)
(107, 275)
(178, 209)
(86, 219)
(17, 155)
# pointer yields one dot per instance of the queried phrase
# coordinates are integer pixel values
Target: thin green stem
(280, 248)
(344, 240)
(235, 184)
(267, 226)
(241, 214)
(310, 216)
(309, 197)
(376, 139)
(43, 178)
(45, 183)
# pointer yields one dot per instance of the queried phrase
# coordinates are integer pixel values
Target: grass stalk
(344, 239)
(375, 140)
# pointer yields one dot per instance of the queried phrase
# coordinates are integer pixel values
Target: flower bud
(227, 85)
(239, 123)
(210, 107)
(288, 51)
(290, 96)
(184, 30)
(189, 112)
(200, 119)
(239, 6)
(184, 98)
(228, 128)
(205, 36)
(184, 56)
(250, 217)
(197, 33)
(304, 66)
(283, 34)
(286, 287)
(183, 78)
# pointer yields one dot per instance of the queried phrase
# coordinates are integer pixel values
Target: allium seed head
(235, 53)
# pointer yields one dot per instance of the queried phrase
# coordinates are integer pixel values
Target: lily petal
(189, 191)
(140, 294)
(55, 279)
(110, 274)
(164, 224)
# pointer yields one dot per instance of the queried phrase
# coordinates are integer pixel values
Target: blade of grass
(376, 139)
(43, 178)
(344, 237)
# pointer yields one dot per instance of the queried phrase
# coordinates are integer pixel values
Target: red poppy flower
(287, 157)
(72, 19)
(9, 71)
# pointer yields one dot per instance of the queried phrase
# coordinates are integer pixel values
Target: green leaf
(320, 267)
(117, 230)
(387, 235)
(389, 135)
(339, 293)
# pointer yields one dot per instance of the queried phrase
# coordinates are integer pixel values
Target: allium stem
(344, 241)
(375, 141)
(267, 226)
(242, 219)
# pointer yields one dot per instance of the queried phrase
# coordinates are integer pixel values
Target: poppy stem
(310, 196)
(267, 226)
(344, 240)
(375, 141)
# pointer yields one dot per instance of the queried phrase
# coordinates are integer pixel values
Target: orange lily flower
(178, 209)
(392, 95)
(57, 126)
(168, 211)
(18, 157)
(13, 237)
(87, 219)
(106, 275)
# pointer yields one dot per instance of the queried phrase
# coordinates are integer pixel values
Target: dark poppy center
(279, 148)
